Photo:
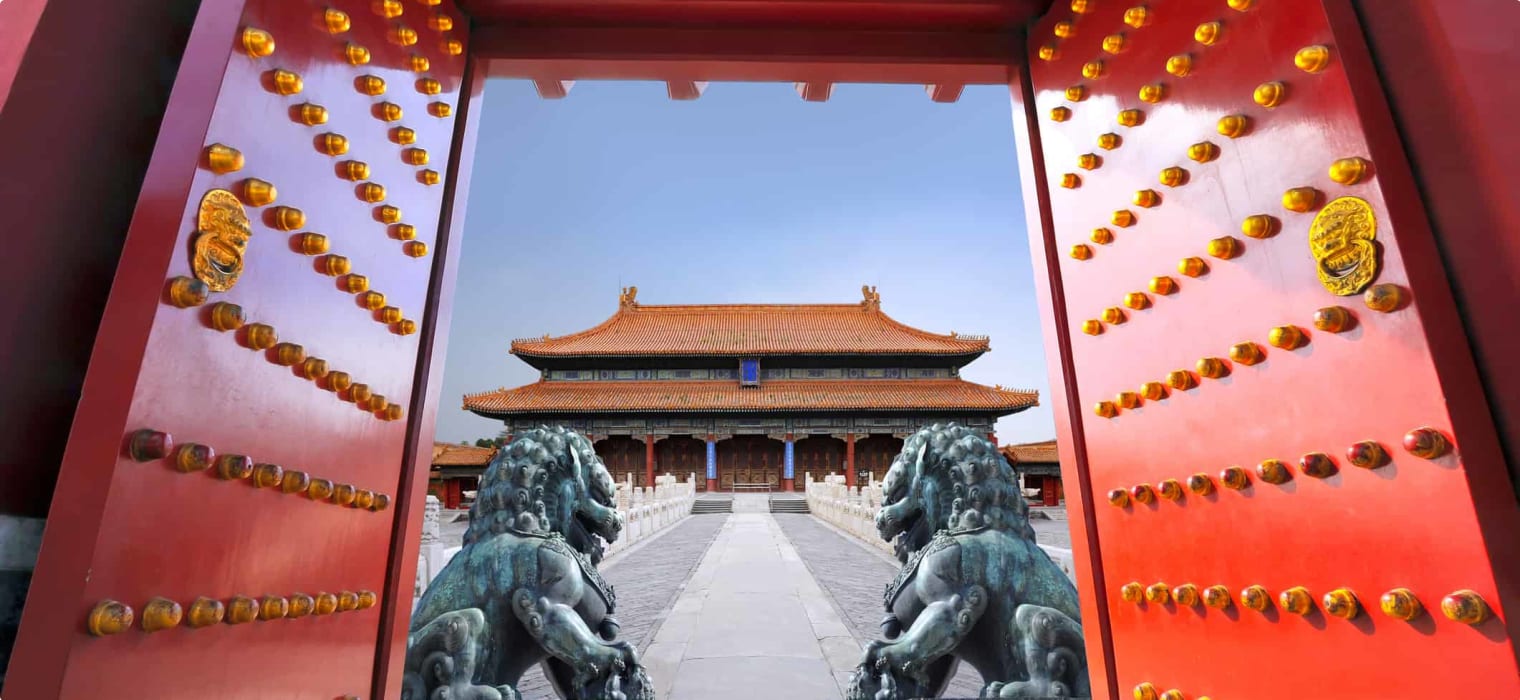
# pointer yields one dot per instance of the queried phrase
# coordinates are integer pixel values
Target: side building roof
(1032, 452)
(447, 455)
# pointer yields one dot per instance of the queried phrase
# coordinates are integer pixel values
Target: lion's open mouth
(587, 536)
(592, 526)
(911, 536)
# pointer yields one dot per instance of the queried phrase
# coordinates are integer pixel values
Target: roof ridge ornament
(628, 297)
(872, 298)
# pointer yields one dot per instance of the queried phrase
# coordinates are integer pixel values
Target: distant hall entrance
(819, 455)
(624, 457)
(874, 454)
(681, 455)
(750, 460)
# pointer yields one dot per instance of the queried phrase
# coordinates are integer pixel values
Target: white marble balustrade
(650, 509)
(645, 510)
(853, 510)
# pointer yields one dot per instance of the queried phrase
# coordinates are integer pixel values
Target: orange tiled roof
(751, 330)
(1032, 452)
(446, 455)
(728, 396)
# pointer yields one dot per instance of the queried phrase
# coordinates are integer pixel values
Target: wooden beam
(553, 89)
(698, 55)
(815, 92)
(685, 89)
(975, 15)
(945, 93)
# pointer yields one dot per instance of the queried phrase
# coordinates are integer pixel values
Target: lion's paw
(1054, 655)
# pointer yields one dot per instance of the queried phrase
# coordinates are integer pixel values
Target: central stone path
(854, 576)
(750, 605)
(648, 578)
(751, 623)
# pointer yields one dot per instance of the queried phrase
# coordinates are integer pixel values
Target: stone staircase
(1048, 512)
(712, 504)
(788, 503)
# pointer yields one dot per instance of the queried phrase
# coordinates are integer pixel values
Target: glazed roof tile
(750, 330)
(561, 397)
(1032, 452)
(447, 455)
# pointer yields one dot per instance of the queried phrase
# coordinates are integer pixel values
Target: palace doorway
(750, 462)
(874, 455)
(624, 457)
(682, 456)
(817, 456)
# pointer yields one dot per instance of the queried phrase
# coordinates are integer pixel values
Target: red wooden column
(849, 459)
(992, 437)
(649, 460)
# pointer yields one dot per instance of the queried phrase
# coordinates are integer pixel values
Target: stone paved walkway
(752, 624)
(854, 576)
(648, 577)
(754, 605)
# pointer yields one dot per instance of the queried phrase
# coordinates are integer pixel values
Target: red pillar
(1049, 491)
(649, 460)
(849, 459)
(992, 437)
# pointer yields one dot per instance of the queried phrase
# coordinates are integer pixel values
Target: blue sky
(747, 195)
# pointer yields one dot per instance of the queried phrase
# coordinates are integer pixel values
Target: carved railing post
(431, 554)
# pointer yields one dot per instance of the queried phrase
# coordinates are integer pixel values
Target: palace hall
(750, 394)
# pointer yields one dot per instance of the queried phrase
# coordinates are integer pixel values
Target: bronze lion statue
(974, 586)
(524, 589)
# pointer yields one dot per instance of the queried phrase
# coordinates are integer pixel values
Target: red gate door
(1291, 483)
(224, 521)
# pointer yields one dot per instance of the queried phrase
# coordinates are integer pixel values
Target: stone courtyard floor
(755, 605)
(854, 577)
(647, 578)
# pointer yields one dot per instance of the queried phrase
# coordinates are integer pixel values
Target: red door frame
(406, 540)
